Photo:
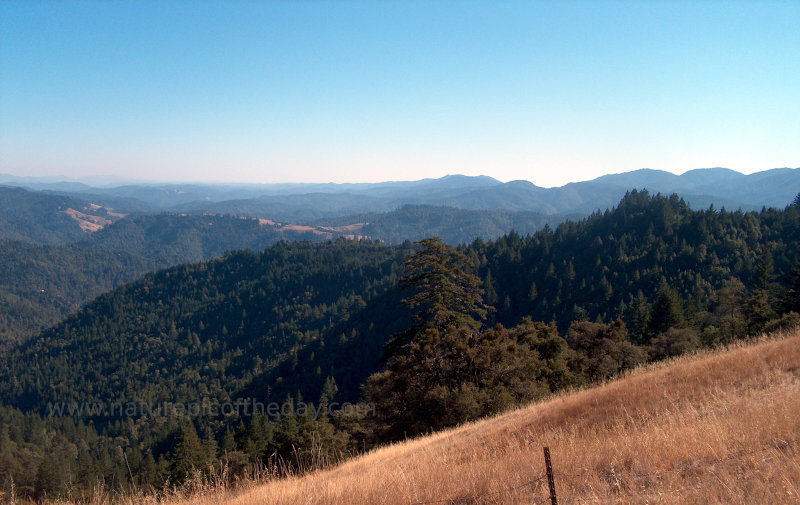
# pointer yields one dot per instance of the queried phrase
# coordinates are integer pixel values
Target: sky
(357, 91)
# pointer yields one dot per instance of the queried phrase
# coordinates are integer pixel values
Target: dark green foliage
(674, 342)
(667, 312)
(189, 455)
(453, 225)
(49, 480)
(603, 349)
(216, 331)
(305, 441)
(441, 379)
(444, 292)
(199, 330)
(760, 307)
(42, 218)
(724, 320)
(41, 284)
(601, 264)
(177, 238)
(444, 370)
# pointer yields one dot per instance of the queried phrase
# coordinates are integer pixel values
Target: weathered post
(550, 479)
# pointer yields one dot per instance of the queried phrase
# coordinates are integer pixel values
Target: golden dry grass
(720, 428)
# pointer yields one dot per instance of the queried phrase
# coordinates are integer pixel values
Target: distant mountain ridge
(305, 202)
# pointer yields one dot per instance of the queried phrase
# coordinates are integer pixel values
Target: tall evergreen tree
(444, 291)
(667, 312)
(189, 455)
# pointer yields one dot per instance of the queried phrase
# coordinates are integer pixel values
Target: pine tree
(329, 389)
(759, 307)
(48, 481)
(189, 454)
(667, 312)
(638, 317)
(442, 379)
(791, 300)
(729, 311)
(444, 292)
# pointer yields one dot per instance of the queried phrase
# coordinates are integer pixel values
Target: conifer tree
(667, 312)
(444, 292)
(189, 454)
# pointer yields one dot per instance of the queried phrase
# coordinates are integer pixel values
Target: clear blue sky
(261, 91)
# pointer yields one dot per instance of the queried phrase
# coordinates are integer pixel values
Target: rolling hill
(304, 311)
(46, 218)
(42, 284)
(453, 225)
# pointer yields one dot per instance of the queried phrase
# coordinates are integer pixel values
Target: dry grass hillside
(718, 428)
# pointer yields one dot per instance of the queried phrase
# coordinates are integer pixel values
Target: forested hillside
(96, 218)
(93, 261)
(177, 238)
(226, 320)
(46, 218)
(454, 226)
(617, 264)
(41, 284)
(651, 278)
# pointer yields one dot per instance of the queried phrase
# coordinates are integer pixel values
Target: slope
(287, 320)
(41, 284)
(198, 330)
(49, 218)
(714, 428)
(453, 225)
(178, 238)
(237, 318)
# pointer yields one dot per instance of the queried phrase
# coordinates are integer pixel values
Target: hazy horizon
(110, 180)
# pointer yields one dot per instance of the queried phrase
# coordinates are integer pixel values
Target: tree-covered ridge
(217, 315)
(453, 225)
(642, 263)
(611, 264)
(178, 238)
(446, 368)
(42, 284)
(198, 329)
(44, 218)
(147, 242)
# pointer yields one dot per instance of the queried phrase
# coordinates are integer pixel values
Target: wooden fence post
(550, 479)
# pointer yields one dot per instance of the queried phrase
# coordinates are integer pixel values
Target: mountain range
(305, 203)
